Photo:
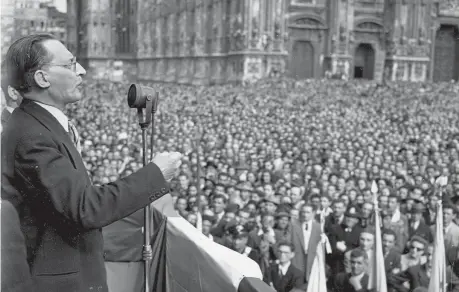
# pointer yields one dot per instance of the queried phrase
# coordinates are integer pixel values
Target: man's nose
(80, 70)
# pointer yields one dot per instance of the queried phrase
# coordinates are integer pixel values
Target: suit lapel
(365, 280)
(312, 238)
(299, 231)
(5, 115)
(53, 125)
(423, 279)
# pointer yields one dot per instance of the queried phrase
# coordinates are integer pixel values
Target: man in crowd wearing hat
(238, 242)
(282, 275)
(305, 237)
(357, 279)
(343, 237)
(417, 225)
(282, 229)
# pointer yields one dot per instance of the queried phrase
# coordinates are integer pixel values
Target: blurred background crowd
(263, 158)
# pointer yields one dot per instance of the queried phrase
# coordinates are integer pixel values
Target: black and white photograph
(229, 146)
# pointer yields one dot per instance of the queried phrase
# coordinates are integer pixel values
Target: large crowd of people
(269, 166)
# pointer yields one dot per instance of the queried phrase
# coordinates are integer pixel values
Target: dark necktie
(74, 136)
(306, 226)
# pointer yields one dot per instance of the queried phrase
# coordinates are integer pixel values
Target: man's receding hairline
(50, 55)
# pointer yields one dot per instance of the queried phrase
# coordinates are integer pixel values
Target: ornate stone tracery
(215, 41)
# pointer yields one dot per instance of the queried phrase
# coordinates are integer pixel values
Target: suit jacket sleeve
(396, 281)
(298, 280)
(347, 262)
(54, 185)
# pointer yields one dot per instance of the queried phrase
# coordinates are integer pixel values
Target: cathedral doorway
(364, 62)
(302, 61)
(446, 57)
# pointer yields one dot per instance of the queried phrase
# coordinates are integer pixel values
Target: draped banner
(186, 260)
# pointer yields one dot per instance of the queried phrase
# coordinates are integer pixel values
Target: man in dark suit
(343, 238)
(417, 226)
(284, 276)
(219, 205)
(357, 279)
(305, 237)
(15, 269)
(392, 257)
(391, 254)
(44, 177)
(337, 218)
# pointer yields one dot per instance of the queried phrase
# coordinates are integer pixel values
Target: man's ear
(41, 79)
(13, 93)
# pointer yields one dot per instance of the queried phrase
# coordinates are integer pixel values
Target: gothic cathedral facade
(220, 41)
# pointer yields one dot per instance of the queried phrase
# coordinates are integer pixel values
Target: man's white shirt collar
(57, 113)
(284, 268)
(360, 277)
(447, 228)
(396, 216)
(9, 109)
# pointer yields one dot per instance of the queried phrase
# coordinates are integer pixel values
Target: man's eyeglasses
(70, 66)
(417, 248)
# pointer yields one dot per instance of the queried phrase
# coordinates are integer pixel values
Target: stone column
(161, 39)
(255, 25)
(341, 55)
(190, 42)
(408, 44)
(200, 39)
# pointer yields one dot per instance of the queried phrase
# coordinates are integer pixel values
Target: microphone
(138, 95)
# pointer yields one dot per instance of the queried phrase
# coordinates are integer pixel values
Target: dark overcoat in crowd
(61, 212)
(339, 232)
(341, 283)
(392, 260)
(219, 229)
(294, 278)
(15, 269)
(423, 231)
(416, 276)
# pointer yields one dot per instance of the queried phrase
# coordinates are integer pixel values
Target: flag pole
(378, 279)
(438, 265)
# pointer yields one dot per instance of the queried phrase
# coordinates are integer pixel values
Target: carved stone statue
(342, 33)
(277, 29)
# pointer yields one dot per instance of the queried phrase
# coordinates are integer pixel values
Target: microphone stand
(151, 107)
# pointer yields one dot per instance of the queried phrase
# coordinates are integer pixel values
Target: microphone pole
(137, 99)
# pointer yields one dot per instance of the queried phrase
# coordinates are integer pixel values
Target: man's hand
(341, 246)
(169, 164)
(355, 282)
